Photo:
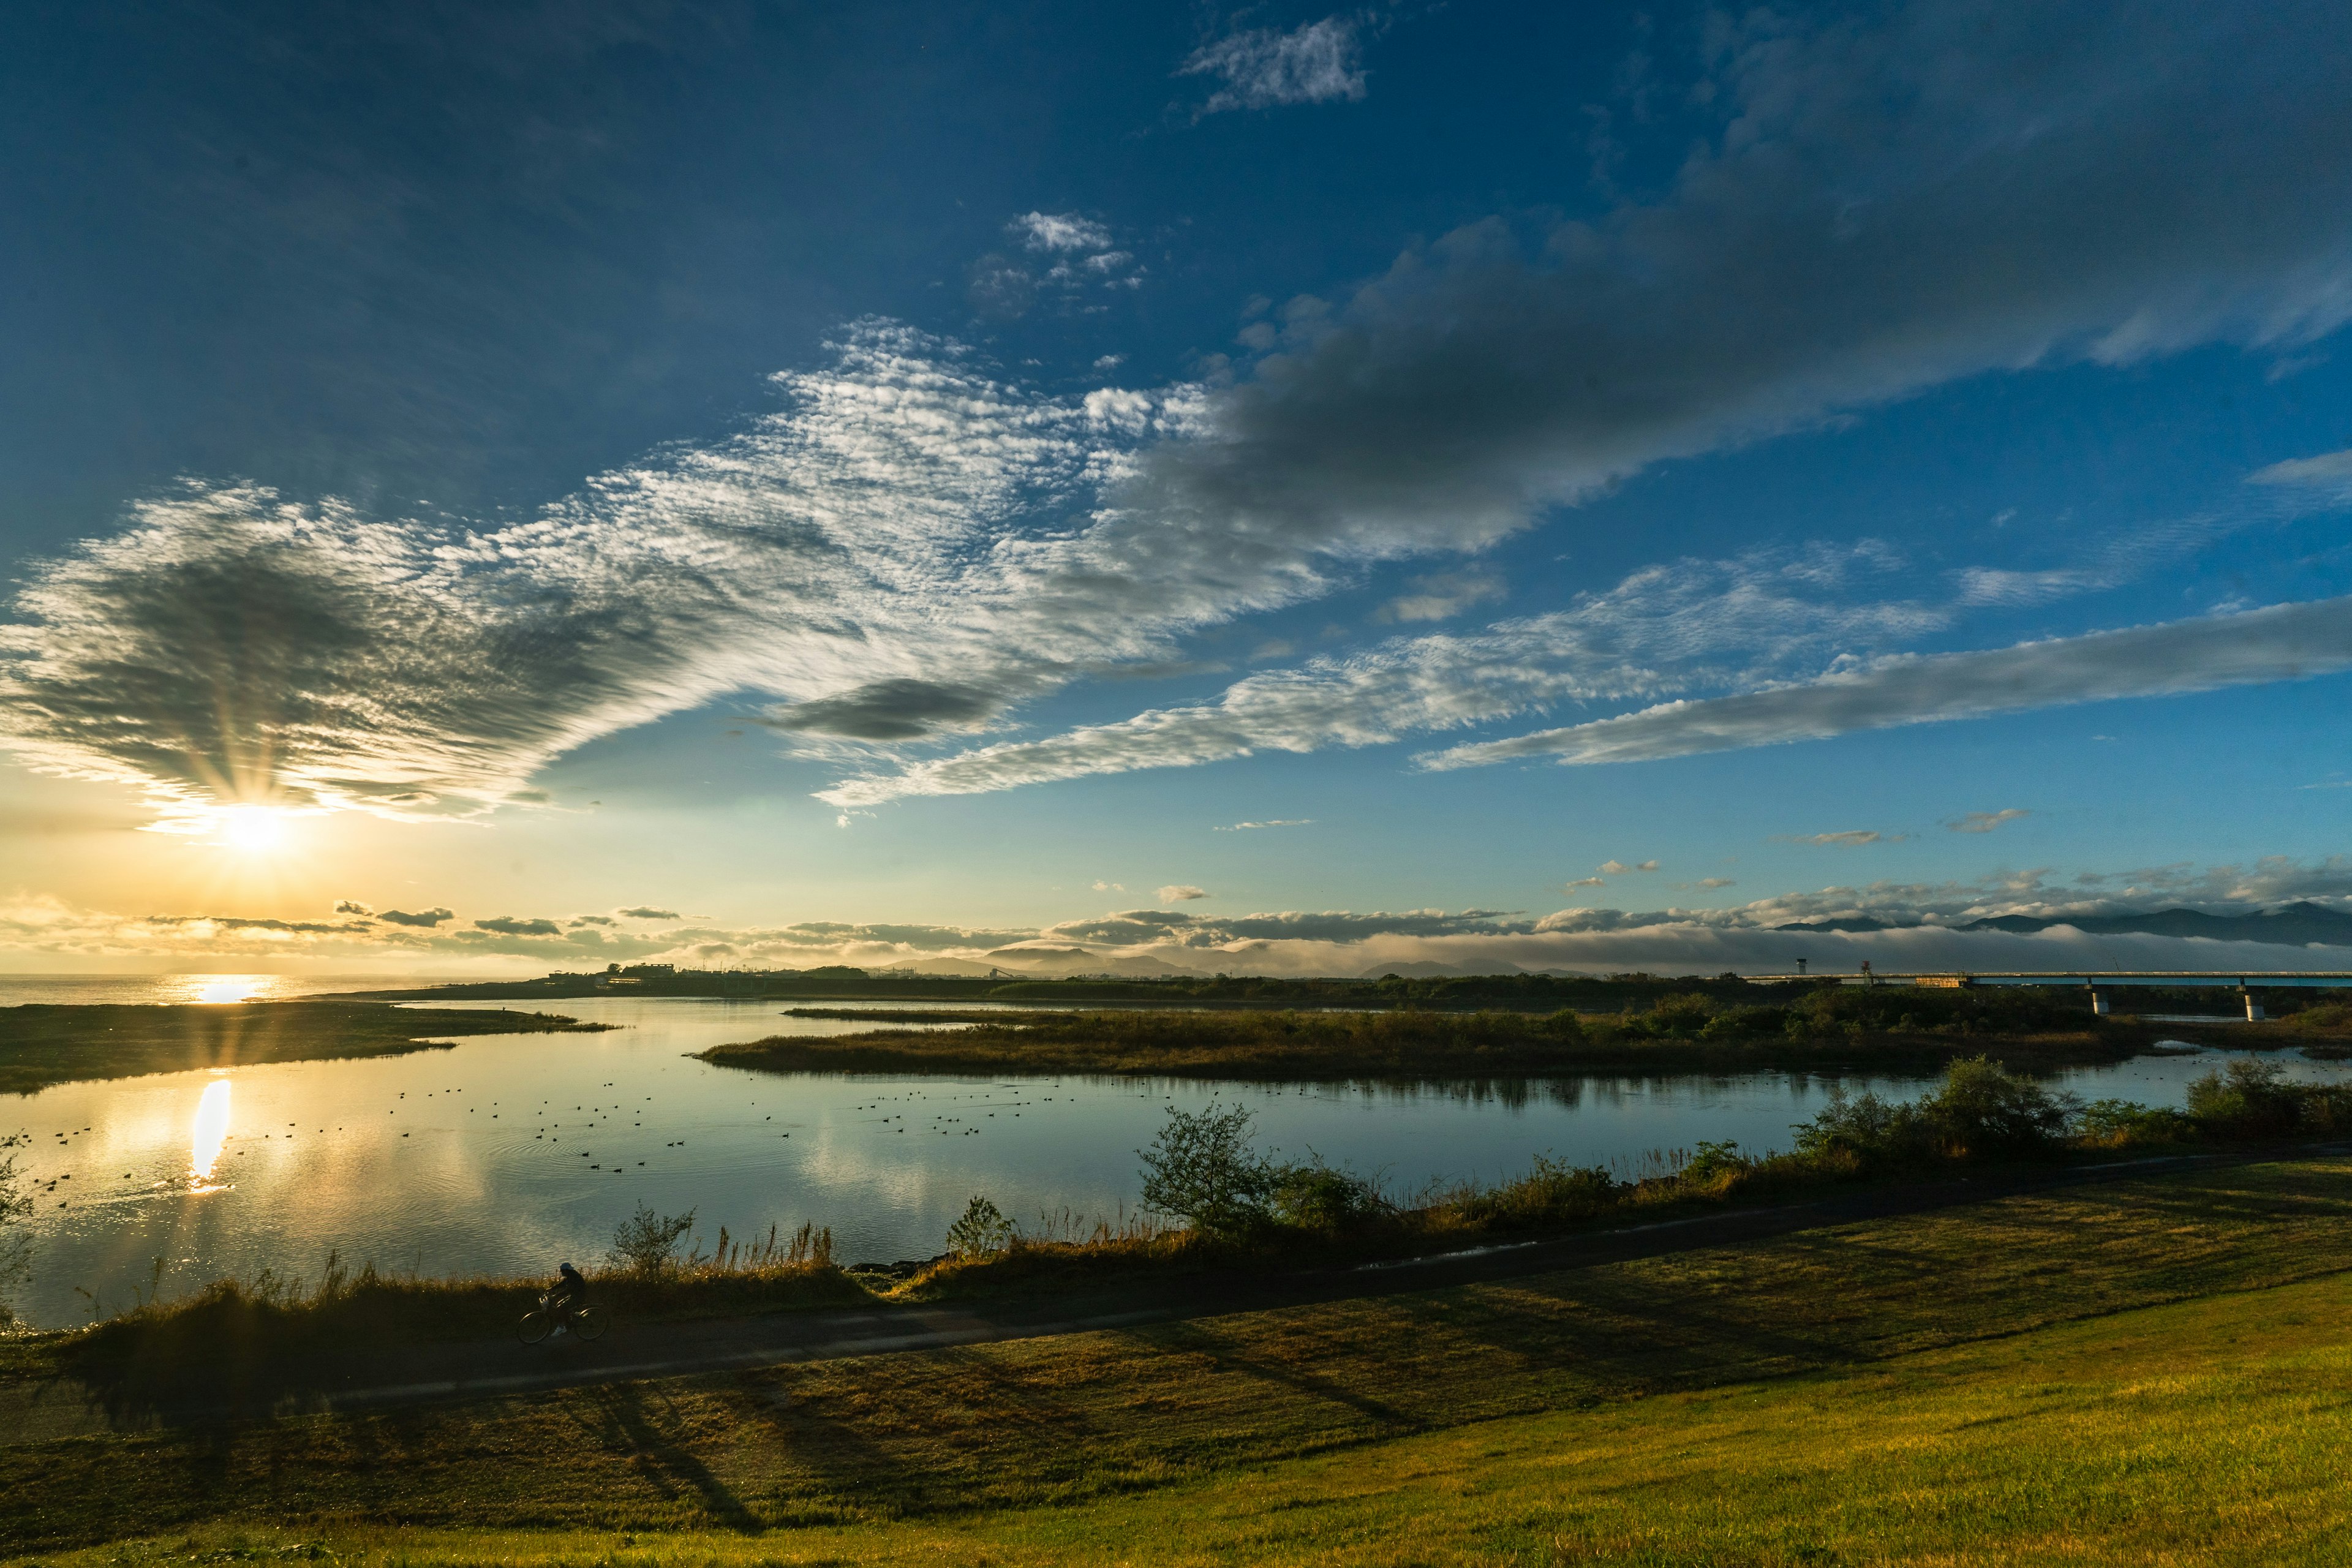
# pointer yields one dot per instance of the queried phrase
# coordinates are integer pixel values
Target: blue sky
(901, 484)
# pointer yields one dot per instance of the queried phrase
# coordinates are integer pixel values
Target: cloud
(1274, 822)
(1717, 882)
(1442, 596)
(1852, 838)
(352, 907)
(2331, 471)
(891, 710)
(647, 912)
(428, 919)
(2284, 642)
(1883, 204)
(1663, 629)
(1619, 867)
(507, 925)
(1985, 821)
(1058, 231)
(1264, 69)
(1103, 887)
(1180, 892)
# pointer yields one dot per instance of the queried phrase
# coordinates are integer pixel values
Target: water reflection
(504, 1152)
(211, 1132)
(223, 989)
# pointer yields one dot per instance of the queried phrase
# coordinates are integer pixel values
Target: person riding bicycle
(570, 1292)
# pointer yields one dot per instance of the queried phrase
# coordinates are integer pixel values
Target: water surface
(507, 1154)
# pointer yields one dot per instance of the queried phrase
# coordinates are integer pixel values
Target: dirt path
(36, 1410)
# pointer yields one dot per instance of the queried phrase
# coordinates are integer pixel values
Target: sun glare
(211, 1130)
(253, 829)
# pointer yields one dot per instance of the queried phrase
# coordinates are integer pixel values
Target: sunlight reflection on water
(211, 1132)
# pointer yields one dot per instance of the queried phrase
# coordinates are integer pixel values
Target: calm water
(507, 1154)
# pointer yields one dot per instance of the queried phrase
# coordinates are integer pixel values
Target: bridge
(2246, 982)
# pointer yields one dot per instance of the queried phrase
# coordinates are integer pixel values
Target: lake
(508, 1153)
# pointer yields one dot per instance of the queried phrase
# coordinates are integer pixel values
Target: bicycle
(586, 1323)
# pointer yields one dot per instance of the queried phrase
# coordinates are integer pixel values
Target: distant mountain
(2291, 925)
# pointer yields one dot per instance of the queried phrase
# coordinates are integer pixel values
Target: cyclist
(569, 1294)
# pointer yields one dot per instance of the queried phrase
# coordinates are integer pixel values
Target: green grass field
(2154, 1371)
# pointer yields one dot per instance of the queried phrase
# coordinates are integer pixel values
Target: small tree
(1202, 1168)
(646, 1244)
(983, 1231)
(16, 1246)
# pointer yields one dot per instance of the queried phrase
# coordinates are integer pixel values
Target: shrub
(646, 1244)
(1552, 1192)
(1980, 1109)
(16, 1245)
(1202, 1168)
(983, 1231)
(1713, 1160)
(1315, 1196)
(2122, 1124)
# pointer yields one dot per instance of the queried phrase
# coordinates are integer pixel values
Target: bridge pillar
(2253, 1008)
(2099, 1003)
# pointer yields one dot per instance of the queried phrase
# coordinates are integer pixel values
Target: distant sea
(195, 987)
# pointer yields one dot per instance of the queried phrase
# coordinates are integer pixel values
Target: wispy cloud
(1664, 629)
(1985, 821)
(1264, 68)
(1276, 822)
(1852, 838)
(647, 912)
(1181, 892)
(2284, 642)
(1442, 596)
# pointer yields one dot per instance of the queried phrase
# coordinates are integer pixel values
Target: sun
(253, 829)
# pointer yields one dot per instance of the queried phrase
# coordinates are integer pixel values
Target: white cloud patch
(1273, 821)
(1442, 596)
(1264, 68)
(1852, 838)
(1180, 893)
(1058, 231)
(2284, 642)
(1985, 821)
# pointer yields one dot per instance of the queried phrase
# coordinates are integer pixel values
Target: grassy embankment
(2144, 1372)
(1826, 1030)
(43, 1044)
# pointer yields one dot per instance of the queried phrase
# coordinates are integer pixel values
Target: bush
(1714, 1160)
(983, 1231)
(1316, 1197)
(1202, 1168)
(1552, 1193)
(646, 1244)
(2122, 1124)
(1981, 1108)
(16, 1245)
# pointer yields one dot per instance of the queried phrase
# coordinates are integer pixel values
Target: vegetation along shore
(43, 1044)
(1824, 1028)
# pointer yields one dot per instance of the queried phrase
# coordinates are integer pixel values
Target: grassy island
(43, 1044)
(1826, 1030)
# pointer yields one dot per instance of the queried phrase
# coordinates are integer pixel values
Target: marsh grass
(1830, 1028)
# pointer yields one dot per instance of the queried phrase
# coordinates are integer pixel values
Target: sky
(492, 488)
